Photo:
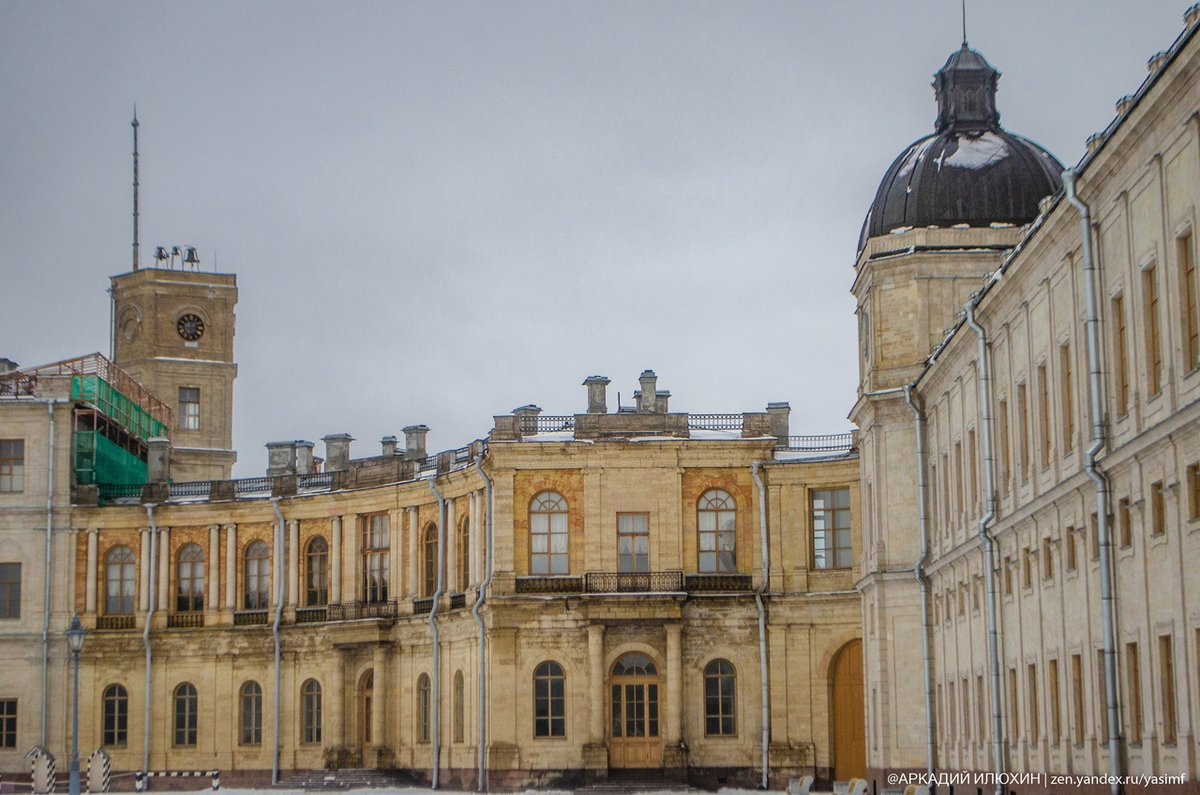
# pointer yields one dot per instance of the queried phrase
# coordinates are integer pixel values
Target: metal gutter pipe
(985, 538)
(279, 578)
(437, 658)
(49, 568)
(1096, 384)
(762, 620)
(487, 581)
(146, 633)
(922, 578)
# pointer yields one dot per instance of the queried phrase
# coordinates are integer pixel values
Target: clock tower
(174, 333)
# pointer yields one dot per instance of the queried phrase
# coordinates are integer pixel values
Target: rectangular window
(1055, 705)
(1023, 430)
(1044, 414)
(1158, 509)
(1072, 553)
(1166, 675)
(10, 590)
(1121, 343)
(1005, 452)
(952, 712)
(831, 529)
(1094, 532)
(966, 708)
(1191, 307)
(189, 408)
(1047, 559)
(375, 545)
(981, 708)
(1102, 695)
(1068, 401)
(1026, 568)
(1077, 698)
(1193, 488)
(961, 473)
(12, 465)
(633, 543)
(1008, 579)
(1124, 523)
(1014, 708)
(1154, 348)
(8, 723)
(973, 471)
(1033, 704)
(1133, 695)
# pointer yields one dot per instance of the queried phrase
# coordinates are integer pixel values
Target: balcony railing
(549, 585)
(124, 621)
(353, 611)
(828, 443)
(640, 582)
(310, 615)
(458, 601)
(717, 583)
(250, 618)
(715, 422)
(185, 620)
(422, 607)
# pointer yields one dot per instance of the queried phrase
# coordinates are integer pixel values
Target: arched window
(459, 707)
(317, 573)
(186, 703)
(311, 694)
(549, 701)
(423, 708)
(429, 561)
(720, 699)
(258, 576)
(462, 553)
(251, 708)
(367, 699)
(120, 573)
(116, 716)
(718, 531)
(189, 594)
(548, 534)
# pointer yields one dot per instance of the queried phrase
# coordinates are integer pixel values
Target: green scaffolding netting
(116, 406)
(99, 460)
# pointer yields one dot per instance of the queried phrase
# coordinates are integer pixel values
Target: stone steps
(345, 779)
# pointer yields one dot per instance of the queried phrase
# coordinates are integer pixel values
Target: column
(293, 562)
(214, 566)
(473, 536)
(674, 716)
(231, 567)
(596, 673)
(379, 698)
(451, 574)
(93, 541)
(278, 545)
(414, 589)
(395, 534)
(337, 700)
(164, 568)
(144, 572)
(335, 572)
(353, 538)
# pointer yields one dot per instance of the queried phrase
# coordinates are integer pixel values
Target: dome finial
(964, 20)
(966, 93)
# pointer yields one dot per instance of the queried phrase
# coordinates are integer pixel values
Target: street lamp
(75, 637)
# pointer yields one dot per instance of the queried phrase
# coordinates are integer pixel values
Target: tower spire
(964, 21)
(137, 252)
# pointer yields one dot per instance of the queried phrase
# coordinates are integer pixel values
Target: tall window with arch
(720, 694)
(462, 555)
(549, 701)
(316, 572)
(459, 706)
(258, 575)
(311, 708)
(251, 709)
(375, 545)
(423, 708)
(717, 522)
(120, 574)
(189, 579)
(116, 716)
(186, 708)
(548, 534)
(429, 560)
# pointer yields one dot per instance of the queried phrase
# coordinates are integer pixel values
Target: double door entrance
(634, 740)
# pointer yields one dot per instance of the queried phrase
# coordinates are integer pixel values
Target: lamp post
(75, 637)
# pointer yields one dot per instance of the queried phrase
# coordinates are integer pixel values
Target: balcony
(458, 601)
(599, 582)
(718, 583)
(185, 620)
(120, 621)
(251, 618)
(549, 585)
(422, 607)
(311, 615)
(354, 611)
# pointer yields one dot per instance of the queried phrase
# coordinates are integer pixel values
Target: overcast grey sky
(440, 211)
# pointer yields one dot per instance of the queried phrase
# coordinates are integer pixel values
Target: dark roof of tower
(970, 171)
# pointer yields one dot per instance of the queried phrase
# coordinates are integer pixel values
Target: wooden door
(635, 740)
(849, 707)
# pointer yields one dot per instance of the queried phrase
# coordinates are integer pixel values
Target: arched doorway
(848, 714)
(635, 739)
(366, 697)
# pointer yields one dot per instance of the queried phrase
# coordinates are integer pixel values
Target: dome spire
(966, 91)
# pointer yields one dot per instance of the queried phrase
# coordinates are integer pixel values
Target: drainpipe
(1096, 384)
(437, 657)
(279, 577)
(985, 538)
(487, 581)
(146, 634)
(762, 620)
(922, 579)
(49, 568)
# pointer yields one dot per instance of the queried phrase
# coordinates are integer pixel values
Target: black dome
(971, 171)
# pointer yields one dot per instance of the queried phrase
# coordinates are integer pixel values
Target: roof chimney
(414, 442)
(648, 399)
(597, 386)
(337, 452)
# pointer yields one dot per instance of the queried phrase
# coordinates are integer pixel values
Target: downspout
(1095, 383)
(49, 570)
(436, 707)
(487, 581)
(279, 576)
(146, 633)
(922, 579)
(985, 538)
(762, 620)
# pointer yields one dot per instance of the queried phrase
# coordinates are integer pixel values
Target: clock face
(190, 327)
